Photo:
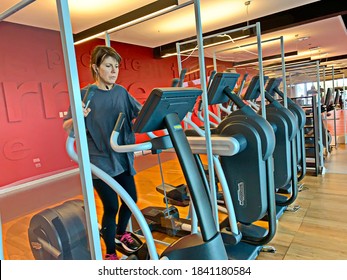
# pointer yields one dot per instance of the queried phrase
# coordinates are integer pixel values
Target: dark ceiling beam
(312, 12)
(292, 64)
(288, 63)
(334, 58)
(327, 73)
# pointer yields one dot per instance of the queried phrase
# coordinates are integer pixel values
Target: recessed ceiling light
(303, 38)
(314, 48)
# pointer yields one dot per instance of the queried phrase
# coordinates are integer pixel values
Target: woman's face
(108, 71)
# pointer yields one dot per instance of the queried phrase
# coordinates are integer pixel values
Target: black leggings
(110, 203)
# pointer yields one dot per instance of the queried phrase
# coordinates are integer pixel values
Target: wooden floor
(317, 231)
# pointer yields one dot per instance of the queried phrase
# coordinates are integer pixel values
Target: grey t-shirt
(105, 107)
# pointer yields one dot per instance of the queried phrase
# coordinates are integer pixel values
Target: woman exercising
(108, 100)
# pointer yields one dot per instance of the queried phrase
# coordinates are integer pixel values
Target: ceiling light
(265, 58)
(304, 38)
(319, 56)
(290, 64)
(314, 48)
(144, 13)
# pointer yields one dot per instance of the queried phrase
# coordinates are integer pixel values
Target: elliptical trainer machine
(244, 170)
(60, 233)
(165, 108)
(272, 87)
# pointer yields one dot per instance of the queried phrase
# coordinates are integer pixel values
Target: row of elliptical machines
(287, 126)
(289, 154)
(60, 232)
(240, 144)
(251, 197)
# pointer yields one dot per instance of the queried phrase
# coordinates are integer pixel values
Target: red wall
(33, 95)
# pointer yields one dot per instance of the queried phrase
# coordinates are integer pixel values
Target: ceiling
(312, 29)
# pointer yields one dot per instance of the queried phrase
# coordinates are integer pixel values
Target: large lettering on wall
(33, 99)
(31, 129)
(18, 101)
